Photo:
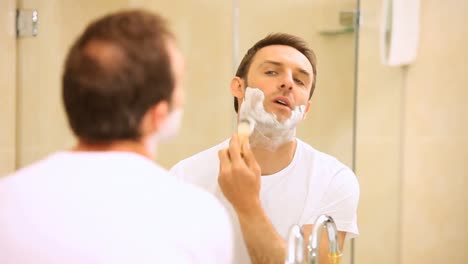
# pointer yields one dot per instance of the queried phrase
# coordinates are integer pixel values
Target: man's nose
(287, 82)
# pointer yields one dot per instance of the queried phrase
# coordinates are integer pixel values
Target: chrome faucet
(334, 254)
(295, 253)
(296, 242)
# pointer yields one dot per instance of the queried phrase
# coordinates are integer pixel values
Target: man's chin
(282, 116)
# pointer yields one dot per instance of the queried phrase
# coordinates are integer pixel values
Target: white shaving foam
(269, 132)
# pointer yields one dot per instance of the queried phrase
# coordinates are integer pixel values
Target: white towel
(399, 32)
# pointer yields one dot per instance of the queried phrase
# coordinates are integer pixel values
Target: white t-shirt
(313, 184)
(108, 207)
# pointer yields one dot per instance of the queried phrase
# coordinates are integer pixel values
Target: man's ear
(155, 117)
(238, 87)
(306, 110)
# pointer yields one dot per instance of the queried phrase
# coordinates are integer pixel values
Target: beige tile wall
(435, 172)
(204, 33)
(378, 146)
(412, 143)
(39, 116)
(7, 86)
(42, 127)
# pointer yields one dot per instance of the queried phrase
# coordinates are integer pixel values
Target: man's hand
(239, 180)
(239, 176)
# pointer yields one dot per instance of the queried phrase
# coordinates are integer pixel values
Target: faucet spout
(324, 221)
(295, 253)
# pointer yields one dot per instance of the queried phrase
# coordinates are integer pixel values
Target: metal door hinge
(26, 22)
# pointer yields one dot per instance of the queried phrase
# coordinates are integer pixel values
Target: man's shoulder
(320, 158)
(208, 213)
(200, 169)
(203, 159)
(37, 167)
(309, 149)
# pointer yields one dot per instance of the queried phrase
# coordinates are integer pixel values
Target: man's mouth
(283, 101)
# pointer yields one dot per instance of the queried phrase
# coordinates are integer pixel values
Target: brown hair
(116, 70)
(277, 39)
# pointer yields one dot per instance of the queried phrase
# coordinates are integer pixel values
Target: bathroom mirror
(213, 35)
(327, 26)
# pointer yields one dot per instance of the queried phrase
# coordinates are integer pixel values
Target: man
(105, 201)
(276, 180)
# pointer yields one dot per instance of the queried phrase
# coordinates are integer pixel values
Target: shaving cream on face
(269, 132)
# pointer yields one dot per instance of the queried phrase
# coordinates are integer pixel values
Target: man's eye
(270, 73)
(299, 82)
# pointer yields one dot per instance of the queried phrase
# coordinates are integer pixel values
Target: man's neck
(121, 145)
(273, 161)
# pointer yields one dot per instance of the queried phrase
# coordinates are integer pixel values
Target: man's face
(284, 75)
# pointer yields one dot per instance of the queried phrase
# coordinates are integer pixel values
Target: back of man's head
(116, 70)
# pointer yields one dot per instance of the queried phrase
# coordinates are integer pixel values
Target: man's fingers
(224, 159)
(234, 150)
(249, 157)
(241, 154)
(244, 144)
(242, 140)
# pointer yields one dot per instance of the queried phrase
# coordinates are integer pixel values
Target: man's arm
(239, 180)
(263, 242)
